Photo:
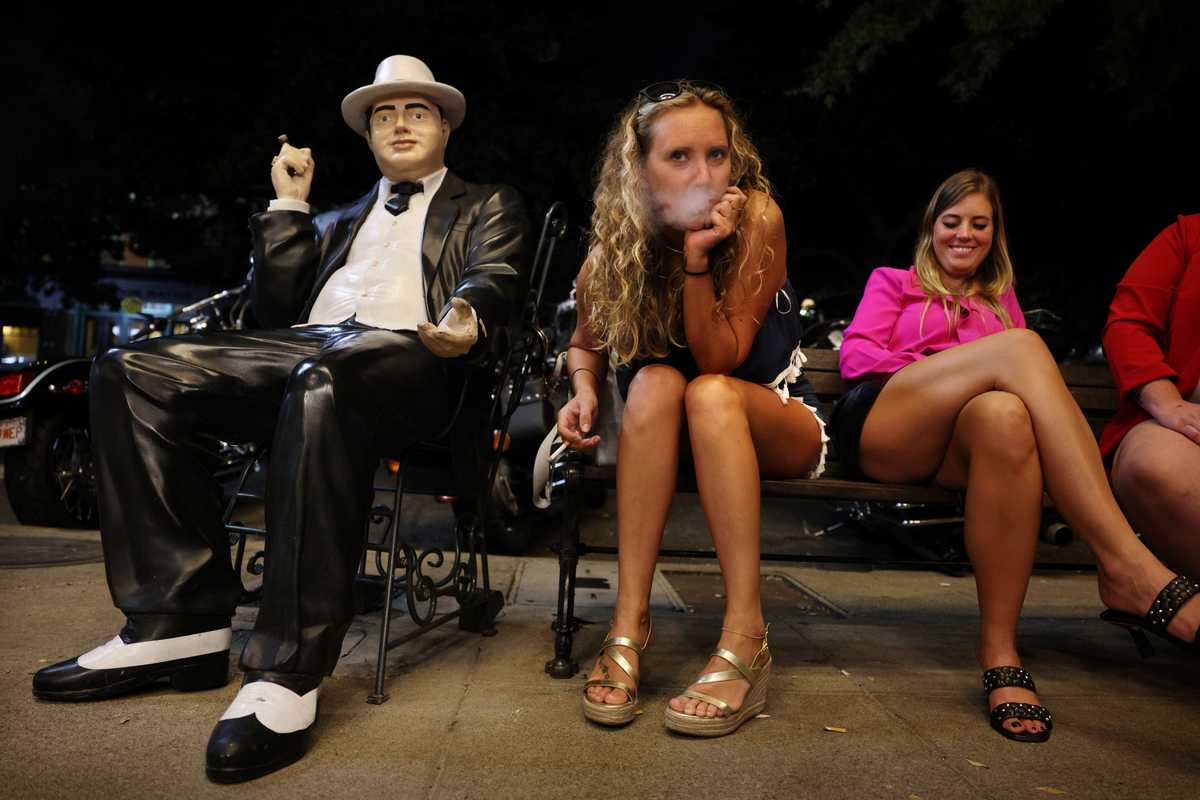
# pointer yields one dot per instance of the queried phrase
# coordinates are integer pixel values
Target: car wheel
(51, 480)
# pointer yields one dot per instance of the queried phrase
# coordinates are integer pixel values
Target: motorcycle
(45, 432)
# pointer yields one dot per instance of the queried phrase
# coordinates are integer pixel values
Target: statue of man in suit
(369, 314)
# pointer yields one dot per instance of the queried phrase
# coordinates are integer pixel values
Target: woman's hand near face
(720, 343)
(721, 223)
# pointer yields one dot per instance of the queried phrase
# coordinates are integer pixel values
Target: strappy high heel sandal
(1162, 611)
(757, 674)
(605, 713)
(1002, 677)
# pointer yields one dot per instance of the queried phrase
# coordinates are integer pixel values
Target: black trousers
(329, 399)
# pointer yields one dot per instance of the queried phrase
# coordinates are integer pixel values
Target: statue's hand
(292, 172)
(455, 334)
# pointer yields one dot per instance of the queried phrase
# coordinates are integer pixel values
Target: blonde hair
(635, 308)
(994, 276)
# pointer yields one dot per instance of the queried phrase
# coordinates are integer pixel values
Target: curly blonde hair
(994, 276)
(635, 306)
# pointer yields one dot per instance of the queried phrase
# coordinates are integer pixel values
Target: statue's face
(408, 136)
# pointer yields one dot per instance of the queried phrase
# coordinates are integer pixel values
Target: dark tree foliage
(135, 122)
(1084, 111)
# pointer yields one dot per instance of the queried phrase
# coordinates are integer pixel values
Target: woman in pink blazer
(951, 387)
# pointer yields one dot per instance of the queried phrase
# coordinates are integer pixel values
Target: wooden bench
(1091, 386)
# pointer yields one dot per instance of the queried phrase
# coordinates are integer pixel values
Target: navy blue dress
(774, 361)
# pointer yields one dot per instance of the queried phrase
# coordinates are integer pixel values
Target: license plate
(13, 431)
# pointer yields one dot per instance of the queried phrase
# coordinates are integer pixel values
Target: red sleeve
(1140, 313)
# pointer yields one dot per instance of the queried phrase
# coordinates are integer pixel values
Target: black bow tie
(401, 192)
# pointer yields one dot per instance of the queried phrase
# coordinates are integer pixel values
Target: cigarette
(291, 171)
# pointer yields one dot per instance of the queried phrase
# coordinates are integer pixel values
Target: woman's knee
(711, 399)
(656, 391)
(1024, 347)
(998, 426)
(1146, 473)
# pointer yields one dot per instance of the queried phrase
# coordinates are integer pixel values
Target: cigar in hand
(291, 171)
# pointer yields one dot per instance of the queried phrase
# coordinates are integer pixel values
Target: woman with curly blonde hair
(685, 291)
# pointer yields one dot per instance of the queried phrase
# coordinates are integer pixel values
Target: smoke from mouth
(686, 210)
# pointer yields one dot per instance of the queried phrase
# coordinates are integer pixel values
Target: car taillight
(75, 386)
(13, 383)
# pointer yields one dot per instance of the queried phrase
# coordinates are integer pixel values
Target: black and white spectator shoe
(123, 665)
(263, 730)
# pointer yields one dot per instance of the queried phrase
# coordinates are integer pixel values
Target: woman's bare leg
(647, 467)
(907, 432)
(993, 455)
(1156, 475)
(737, 430)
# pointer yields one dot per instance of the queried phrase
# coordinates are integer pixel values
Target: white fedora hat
(400, 75)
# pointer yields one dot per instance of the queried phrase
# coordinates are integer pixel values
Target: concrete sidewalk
(475, 717)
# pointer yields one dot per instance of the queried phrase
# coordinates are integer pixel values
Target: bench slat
(820, 488)
(1091, 398)
(1086, 375)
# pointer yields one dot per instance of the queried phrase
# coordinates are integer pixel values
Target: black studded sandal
(1002, 677)
(1162, 611)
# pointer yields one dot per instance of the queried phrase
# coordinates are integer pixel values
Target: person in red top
(1152, 339)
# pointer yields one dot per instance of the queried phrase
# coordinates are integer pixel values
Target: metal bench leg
(565, 624)
(483, 604)
(227, 517)
(379, 696)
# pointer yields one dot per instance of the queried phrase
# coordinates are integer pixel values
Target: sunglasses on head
(669, 90)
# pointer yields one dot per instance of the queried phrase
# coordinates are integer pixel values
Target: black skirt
(847, 419)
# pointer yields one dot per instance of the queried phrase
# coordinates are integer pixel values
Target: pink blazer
(887, 332)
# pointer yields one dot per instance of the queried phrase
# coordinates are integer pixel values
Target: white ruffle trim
(819, 469)
(788, 376)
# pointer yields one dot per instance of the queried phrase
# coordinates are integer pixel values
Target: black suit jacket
(475, 246)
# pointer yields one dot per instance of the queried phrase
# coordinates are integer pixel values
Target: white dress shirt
(382, 283)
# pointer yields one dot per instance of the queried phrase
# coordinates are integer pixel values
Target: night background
(141, 140)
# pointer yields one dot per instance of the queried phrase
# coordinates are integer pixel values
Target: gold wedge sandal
(607, 714)
(757, 674)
